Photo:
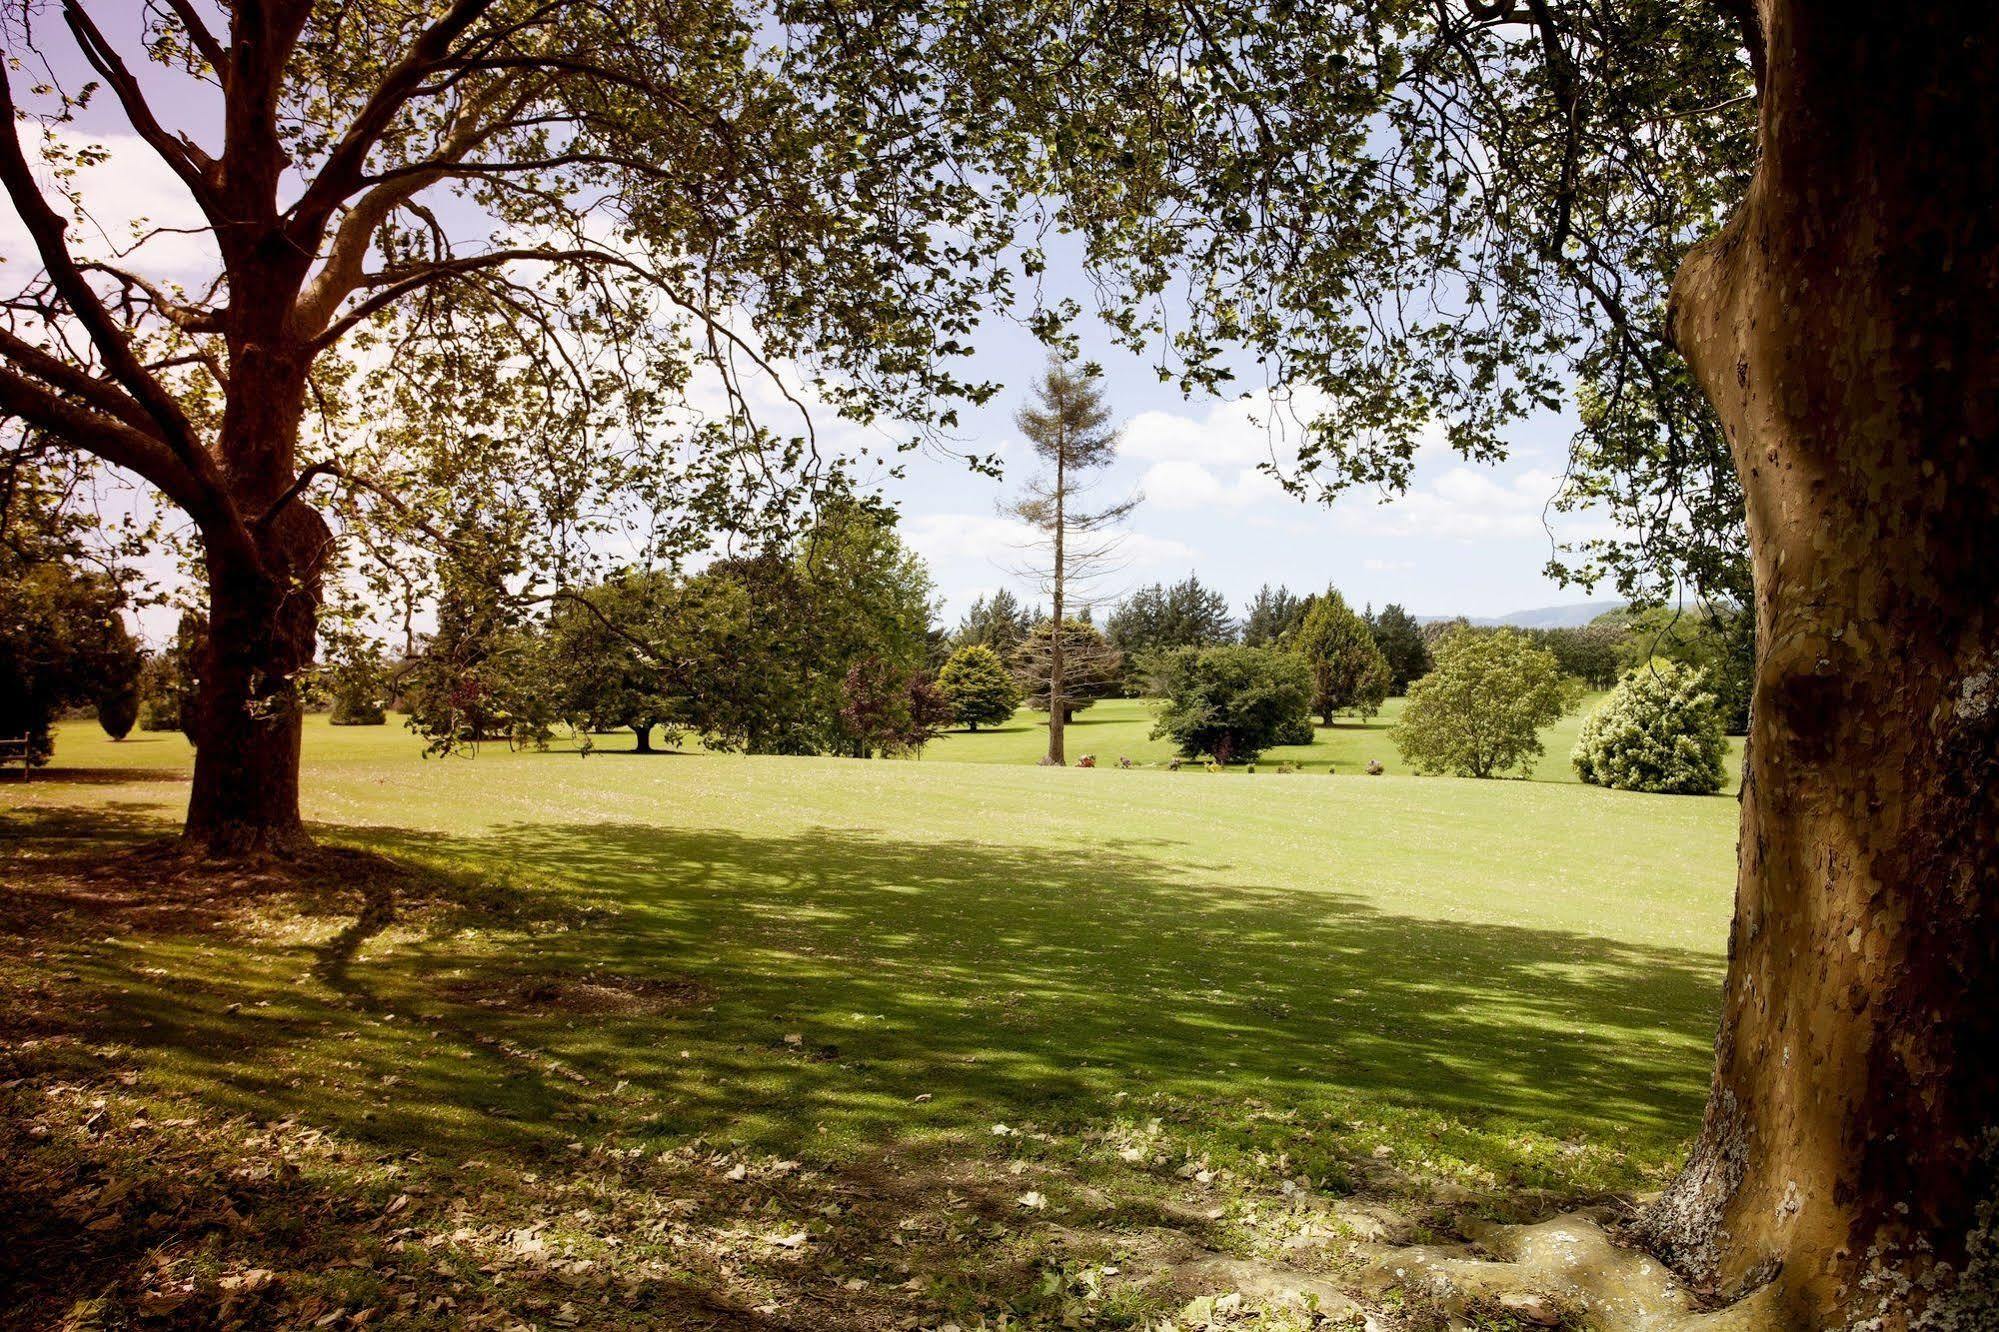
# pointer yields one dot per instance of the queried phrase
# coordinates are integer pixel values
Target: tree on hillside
(1093, 669)
(1232, 702)
(978, 687)
(1480, 710)
(1272, 613)
(999, 622)
(1400, 639)
(1349, 674)
(1070, 428)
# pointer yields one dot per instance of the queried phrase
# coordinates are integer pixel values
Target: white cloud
(1177, 484)
(1472, 504)
(1242, 432)
(132, 186)
(1386, 566)
(944, 537)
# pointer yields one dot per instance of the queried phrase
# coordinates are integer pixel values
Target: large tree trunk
(262, 631)
(1846, 327)
(263, 624)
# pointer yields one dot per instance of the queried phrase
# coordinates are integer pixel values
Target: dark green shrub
(1232, 702)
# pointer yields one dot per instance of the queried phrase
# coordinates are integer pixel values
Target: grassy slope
(1476, 973)
(1122, 727)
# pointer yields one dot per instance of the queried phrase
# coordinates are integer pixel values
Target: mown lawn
(797, 1003)
(1122, 728)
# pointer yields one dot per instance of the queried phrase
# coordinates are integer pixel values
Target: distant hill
(1544, 617)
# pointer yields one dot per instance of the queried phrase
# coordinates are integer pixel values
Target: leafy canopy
(1349, 674)
(978, 687)
(1232, 702)
(1479, 712)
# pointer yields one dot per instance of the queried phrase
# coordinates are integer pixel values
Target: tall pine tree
(1070, 427)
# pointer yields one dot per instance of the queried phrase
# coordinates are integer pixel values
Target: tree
(1232, 702)
(888, 710)
(612, 651)
(1157, 618)
(1594, 653)
(1272, 613)
(1400, 639)
(1490, 201)
(1480, 710)
(360, 684)
(63, 592)
(169, 692)
(1093, 669)
(62, 643)
(1716, 639)
(999, 623)
(866, 598)
(1348, 671)
(1659, 730)
(1070, 429)
(480, 253)
(978, 688)
(118, 710)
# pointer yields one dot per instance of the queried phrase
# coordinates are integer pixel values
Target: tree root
(1567, 1270)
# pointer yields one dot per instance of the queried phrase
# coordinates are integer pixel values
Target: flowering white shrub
(1659, 730)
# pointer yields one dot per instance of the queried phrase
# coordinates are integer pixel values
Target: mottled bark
(263, 622)
(1846, 327)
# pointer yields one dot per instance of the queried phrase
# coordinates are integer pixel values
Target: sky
(1465, 539)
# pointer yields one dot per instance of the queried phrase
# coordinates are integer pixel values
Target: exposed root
(1567, 1270)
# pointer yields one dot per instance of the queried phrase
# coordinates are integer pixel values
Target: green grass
(1122, 727)
(1509, 984)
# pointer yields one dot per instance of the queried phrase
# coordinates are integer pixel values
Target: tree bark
(1846, 327)
(643, 730)
(1058, 716)
(263, 622)
(262, 632)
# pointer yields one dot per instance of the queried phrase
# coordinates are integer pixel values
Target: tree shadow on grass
(852, 996)
(998, 980)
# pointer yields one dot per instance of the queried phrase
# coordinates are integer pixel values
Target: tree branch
(202, 39)
(341, 173)
(101, 395)
(48, 230)
(108, 438)
(190, 163)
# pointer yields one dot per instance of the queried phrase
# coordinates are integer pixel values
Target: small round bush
(1660, 730)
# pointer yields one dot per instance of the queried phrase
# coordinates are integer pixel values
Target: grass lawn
(715, 1041)
(1122, 727)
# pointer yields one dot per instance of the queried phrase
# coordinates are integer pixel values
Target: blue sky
(1465, 539)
